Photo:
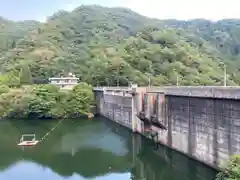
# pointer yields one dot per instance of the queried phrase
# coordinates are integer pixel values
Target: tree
(10, 79)
(4, 89)
(122, 49)
(46, 101)
(25, 76)
(80, 100)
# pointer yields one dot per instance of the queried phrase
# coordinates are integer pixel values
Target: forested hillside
(110, 45)
(10, 32)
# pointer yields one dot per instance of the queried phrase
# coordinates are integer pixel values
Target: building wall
(65, 83)
(68, 86)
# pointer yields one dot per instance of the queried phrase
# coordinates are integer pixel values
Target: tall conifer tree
(25, 75)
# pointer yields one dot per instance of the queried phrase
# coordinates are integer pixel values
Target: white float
(31, 142)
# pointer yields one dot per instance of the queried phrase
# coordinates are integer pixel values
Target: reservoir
(95, 149)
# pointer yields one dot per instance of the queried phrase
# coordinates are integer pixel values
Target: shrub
(46, 101)
(232, 170)
(4, 89)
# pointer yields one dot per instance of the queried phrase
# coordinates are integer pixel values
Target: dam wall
(205, 128)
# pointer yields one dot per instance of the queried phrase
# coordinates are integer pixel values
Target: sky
(161, 9)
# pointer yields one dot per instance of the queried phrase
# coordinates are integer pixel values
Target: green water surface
(83, 149)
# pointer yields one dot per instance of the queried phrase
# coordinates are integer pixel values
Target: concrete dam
(202, 122)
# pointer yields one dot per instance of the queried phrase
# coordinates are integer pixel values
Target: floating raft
(31, 142)
(28, 143)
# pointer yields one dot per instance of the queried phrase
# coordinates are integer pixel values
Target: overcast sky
(161, 9)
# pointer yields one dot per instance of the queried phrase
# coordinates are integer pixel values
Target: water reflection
(95, 149)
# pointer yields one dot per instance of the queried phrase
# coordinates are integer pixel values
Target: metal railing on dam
(202, 122)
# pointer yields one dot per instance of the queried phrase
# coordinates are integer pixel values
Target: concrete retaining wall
(117, 108)
(207, 129)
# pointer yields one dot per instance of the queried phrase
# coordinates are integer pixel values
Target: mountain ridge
(125, 47)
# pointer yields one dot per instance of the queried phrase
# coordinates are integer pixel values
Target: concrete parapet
(220, 92)
(108, 88)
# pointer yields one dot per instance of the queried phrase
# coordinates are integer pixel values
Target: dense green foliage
(10, 79)
(117, 46)
(4, 89)
(25, 76)
(232, 170)
(46, 101)
(11, 32)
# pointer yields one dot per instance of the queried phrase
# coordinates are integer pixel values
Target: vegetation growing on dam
(232, 170)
